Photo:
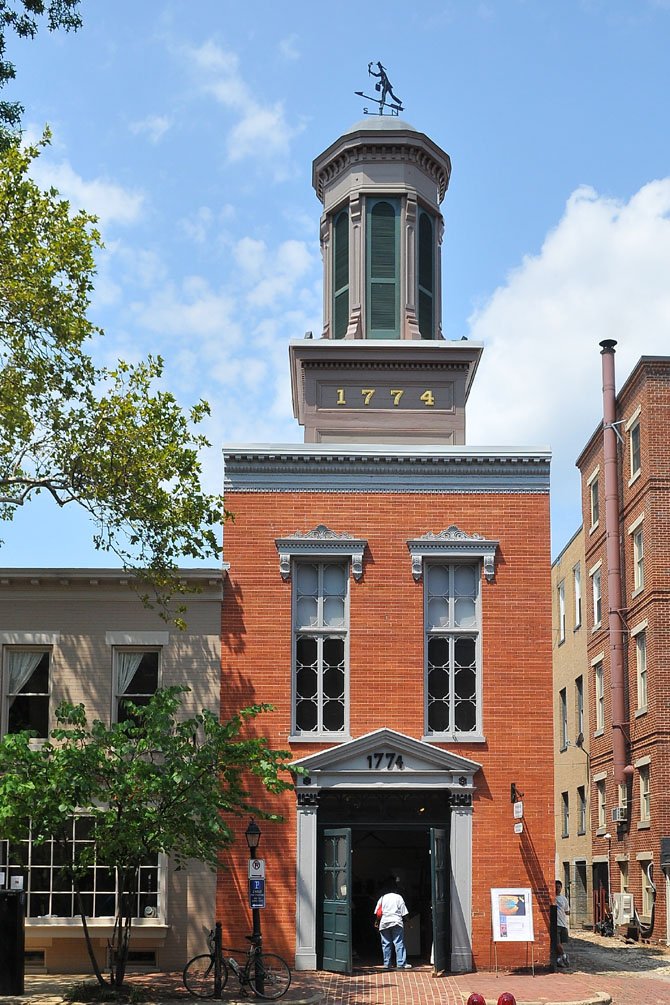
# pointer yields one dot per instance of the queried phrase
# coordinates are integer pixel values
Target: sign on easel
(512, 914)
(512, 919)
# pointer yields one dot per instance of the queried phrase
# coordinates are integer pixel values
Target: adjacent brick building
(630, 816)
(389, 594)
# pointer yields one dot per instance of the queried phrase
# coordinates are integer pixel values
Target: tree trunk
(89, 945)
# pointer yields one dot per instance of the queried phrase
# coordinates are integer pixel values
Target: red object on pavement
(476, 999)
(507, 998)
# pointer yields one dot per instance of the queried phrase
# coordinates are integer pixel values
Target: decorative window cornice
(452, 543)
(322, 542)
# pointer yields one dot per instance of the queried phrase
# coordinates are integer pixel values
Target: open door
(439, 885)
(336, 900)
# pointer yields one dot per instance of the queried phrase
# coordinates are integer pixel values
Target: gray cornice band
(401, 470)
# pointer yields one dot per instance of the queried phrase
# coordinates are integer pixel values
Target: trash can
(12, 941)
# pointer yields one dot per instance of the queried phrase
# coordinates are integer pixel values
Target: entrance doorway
(365, 840)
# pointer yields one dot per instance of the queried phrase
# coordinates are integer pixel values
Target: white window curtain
(21, 666)
(126, 665)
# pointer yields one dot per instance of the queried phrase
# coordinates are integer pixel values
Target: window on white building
(561, 612)
(579, 706)
(27, 689)
(452, 620)
(565, 815)
(137, 674)
(563, 713)
(599, 672)
(48, 888)
(577, 584)
(321, 624)
(581, 809)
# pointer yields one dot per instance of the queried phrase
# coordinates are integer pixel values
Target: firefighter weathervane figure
(385, 89)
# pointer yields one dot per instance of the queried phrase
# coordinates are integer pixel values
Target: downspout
(613, 554)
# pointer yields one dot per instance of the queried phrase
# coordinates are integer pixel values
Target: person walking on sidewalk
(562, 912)
(391, 911)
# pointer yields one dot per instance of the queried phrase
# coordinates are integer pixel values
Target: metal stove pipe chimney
(613, 553)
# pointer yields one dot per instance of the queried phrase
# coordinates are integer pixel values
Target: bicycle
(267, 974)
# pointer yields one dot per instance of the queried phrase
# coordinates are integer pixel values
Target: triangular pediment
(386, 754)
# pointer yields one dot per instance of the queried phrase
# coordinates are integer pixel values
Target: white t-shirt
(562, 910)
(393, 908)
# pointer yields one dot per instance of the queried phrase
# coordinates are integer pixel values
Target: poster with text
(512, 915)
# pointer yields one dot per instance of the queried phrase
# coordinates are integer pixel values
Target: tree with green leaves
(152, 784)
(23, 18)
(106, 439)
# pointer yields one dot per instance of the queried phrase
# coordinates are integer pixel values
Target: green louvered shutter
(426, 273)
(341, 275)
(382, 268)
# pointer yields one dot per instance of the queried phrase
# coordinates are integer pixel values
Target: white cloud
(288, 48)
(153, 126)
(261, 130)
(601, 273)
(110, 202)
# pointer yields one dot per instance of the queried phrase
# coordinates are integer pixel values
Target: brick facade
(387, 675)
(644, 505)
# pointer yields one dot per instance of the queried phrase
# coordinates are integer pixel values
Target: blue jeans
(393, 935)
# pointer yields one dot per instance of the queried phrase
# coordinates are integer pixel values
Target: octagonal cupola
(381, 185)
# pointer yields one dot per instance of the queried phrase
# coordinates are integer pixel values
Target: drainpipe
(613, 553)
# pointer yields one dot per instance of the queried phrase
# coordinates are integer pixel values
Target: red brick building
(630, 807)
(388, 592)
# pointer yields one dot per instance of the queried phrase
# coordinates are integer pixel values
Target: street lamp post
(253, 836)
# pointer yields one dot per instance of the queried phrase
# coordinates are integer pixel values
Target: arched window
(382, 269)
(426, 276)
(340, 274)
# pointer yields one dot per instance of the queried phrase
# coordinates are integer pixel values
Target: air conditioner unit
(622, 908)
(619, 814)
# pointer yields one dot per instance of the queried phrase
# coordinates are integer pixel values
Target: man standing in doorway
(391, 910)
(562, 912)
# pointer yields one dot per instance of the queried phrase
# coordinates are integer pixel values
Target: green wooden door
(439, 884)
(336, 900)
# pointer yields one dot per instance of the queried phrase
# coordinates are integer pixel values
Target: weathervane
(384, 87)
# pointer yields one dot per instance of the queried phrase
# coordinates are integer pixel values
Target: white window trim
(633, 419)
(561, 612)
(628, 428)
(29, 638)
(589, 482)
(643, 625)
(599, 698)
(592, 574)
(600, 777)
(142, 640)
(321, 736)
(641, 708)
(642, 762)
(636, 523)
(577, 593)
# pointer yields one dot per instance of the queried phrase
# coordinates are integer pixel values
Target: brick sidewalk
(376, 986)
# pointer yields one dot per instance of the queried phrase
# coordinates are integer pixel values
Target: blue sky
(190, 129)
